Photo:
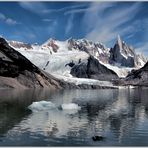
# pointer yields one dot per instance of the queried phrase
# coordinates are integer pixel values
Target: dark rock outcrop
(16, 71)
(98, 138)
(138, 77)
(93, 70)
(79, 70)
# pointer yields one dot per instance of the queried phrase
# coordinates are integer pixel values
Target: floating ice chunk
(131, 87)
(122, 111)
(41, 105)
(70, 106)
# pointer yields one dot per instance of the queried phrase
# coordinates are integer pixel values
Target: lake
(120, 116)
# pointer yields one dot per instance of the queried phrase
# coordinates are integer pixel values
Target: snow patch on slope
(54, 63)
(119, 70)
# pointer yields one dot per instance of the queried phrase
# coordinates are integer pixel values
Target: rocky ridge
(121, 56)
(93, 69)
(138, 77)
(125, 55)
(16, 71)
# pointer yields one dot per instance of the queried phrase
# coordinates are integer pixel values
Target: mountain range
(16, 71)
(75, 61)
(121, 58)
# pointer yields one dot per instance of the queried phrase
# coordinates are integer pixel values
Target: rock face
(50, 45)
(53, 55)
(138, 77)
(124, 55)
(97, 49)
(18, 72)
(17, 44)
(93, 70)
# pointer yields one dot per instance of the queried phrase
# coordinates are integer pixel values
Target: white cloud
(31, 35)
(64, 9)
(80, 10)
(10, 21)
(52, 28)
(141, 46)
(69, 24)
(2, 16)
(143, 49)
(7, 20)
(106, 28)
(36, 7)
(93, 7)
(26, 34)
(47, 20)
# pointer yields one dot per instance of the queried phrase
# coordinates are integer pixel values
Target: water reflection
(13, 106)
(119, 115)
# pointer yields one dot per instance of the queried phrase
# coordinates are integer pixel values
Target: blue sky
(97, 21)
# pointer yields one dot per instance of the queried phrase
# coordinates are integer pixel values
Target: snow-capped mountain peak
(50, 45)
(97, 49)
(125, 55)
(53, 55)
(17, 44)
(125, 49)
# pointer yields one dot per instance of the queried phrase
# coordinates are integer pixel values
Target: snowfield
(54, 61)
(57, 63)
(121, 71)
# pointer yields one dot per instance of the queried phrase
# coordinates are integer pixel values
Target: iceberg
(41, 106)
(70, 106)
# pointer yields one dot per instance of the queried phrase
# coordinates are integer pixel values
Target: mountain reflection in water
(121, 116)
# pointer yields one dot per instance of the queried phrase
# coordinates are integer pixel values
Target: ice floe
(47, 105)
(41, 105)
(70, 106)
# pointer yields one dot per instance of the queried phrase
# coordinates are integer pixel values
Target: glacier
(53, 55)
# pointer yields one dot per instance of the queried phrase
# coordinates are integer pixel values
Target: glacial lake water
(120, 116)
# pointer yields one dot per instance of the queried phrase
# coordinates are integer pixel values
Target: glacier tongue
(79, 81)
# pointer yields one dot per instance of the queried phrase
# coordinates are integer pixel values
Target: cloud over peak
(35, 7)
(7, 20)
(108, 27)
(96, 21)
